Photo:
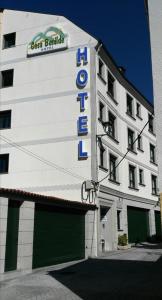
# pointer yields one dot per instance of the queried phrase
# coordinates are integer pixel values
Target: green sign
(52, 39)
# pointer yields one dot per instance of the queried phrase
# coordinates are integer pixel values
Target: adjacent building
(78, 163)
(154, 14)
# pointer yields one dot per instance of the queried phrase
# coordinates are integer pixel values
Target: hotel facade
(78, 163)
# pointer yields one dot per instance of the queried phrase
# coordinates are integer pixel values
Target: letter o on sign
(82, 78)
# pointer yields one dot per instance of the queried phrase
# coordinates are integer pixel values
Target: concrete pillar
(91, 234)
(161, 209)
(25, 238)
(124, 218)
(3, 231)
(152, 227)
(114, 226)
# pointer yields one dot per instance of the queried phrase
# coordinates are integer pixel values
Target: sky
(121, 25)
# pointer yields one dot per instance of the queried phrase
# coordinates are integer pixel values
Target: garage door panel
(59, 235)
(138, 224)
(158, 224)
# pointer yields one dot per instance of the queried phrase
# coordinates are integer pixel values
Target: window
(139, 142)
(9, 40)
(129, 105)
(111, 85)
(103, 163)
(118, 219)
(150, 123)
(4, 158)
(7, 78)
(112, 167)
(101, 111)
(101, 69)
(152, 153)
(154, 184)
(130, 139)
(141, 177)
(138, 110)
(5, 119)
(132, 182)
(102, 151)
(111, 127)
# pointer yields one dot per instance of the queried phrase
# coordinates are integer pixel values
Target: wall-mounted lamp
(106, 125)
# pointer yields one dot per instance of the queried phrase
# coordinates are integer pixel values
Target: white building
(154, 12)
(60, 92)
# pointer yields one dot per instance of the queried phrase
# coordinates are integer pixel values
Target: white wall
(45, 109)
(139, 160)
(155, 24)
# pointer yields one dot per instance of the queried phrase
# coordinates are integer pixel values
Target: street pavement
(125, 274)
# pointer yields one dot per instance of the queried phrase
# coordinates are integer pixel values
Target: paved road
(128, 274)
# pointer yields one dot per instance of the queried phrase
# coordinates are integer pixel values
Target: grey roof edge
(109, 61)
(22, 195)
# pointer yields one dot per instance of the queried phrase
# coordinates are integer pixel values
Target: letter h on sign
(82, 56)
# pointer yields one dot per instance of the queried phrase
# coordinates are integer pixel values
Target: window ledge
(4, 48)
(112, 98)
(113, 138)
(133, 188)
(154, 163)
(103, 168)
(141, 150)
(5, 128)
(132, 151)
(131, 116)
(3, 173)
(100, 120)
(114, 181)
(7, 86)
(139, 117)
(142, 184)
(101, 78)
(156, 195)
(151, 132)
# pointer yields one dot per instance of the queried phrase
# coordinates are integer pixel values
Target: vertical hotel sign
(81, 82)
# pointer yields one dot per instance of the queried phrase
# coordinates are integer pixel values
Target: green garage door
(59, 235)
(158, 224)
(138, 224)
(12, 235)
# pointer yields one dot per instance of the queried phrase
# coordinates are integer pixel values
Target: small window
(119, 219)
(101, 111)
(101, 69)
(151, 123)
(152, 153)
(5, 119)
(4, 159)
(154, 184)
(111, 85)
(113, 167)
(129, 105)
(132, 178)
(111, 127)
(130, 139)
(141, 177)
(138, 110)
(7, 78)
(102, 150)
(139, 142)
(9, 40)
